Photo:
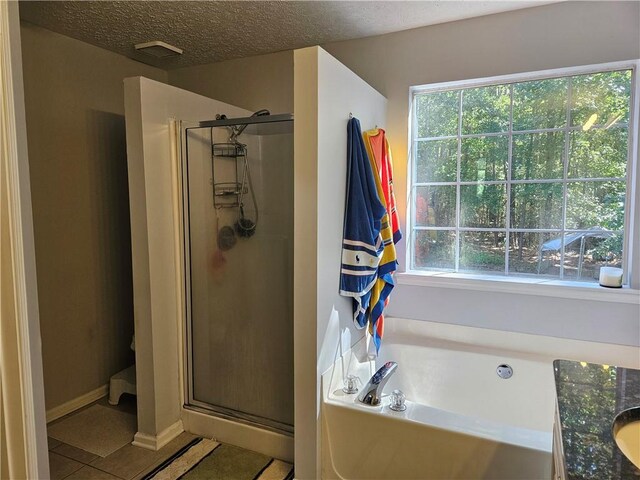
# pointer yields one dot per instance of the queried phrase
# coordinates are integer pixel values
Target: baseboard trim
(156, 442)
(77, 403)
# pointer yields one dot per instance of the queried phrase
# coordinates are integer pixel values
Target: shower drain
(504, 371)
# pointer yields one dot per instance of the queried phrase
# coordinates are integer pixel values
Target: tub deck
(462, 419)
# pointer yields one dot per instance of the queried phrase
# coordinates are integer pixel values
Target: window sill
(520, 286)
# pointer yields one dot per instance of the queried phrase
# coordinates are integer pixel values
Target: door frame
(24, 430)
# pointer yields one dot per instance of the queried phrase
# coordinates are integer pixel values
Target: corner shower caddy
(228, 194)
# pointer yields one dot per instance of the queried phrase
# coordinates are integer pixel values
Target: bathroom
(88, 219)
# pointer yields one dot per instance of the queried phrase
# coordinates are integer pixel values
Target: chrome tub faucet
(372, 392)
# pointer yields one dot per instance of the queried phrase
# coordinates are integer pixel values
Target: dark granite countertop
(589, 397)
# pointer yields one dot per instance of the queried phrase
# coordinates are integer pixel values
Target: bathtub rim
(444, 420)
(482, 340)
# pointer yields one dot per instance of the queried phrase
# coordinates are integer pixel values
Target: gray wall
(77, 154)
(263, 81)
(78, 167)
(552, 36)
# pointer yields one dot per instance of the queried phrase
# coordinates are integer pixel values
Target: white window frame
(479, 281)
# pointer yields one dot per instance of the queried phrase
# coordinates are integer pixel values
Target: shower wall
(241, 299)
(156, 247)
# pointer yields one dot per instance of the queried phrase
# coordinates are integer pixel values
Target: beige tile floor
(129, 462)
(133, 463)
(125, 464)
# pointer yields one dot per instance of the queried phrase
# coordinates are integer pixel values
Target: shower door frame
(190, 402)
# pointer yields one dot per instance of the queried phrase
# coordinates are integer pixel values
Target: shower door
(238, 289)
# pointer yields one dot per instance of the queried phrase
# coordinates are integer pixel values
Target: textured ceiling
(212, 31)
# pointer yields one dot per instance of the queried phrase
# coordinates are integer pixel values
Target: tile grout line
(54, 450)
(111, 473)
(71, 473)
(98, 457)
(94, 467)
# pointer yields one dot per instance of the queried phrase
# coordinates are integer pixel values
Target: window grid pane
(508, 185)
(565, 173)
(458, 175)
(458, 233)
(573, 128)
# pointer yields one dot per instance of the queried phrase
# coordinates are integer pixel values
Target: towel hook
(350, 115)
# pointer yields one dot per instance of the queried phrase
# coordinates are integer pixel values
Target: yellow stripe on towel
(389, 252)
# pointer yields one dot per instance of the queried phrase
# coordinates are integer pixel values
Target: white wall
(325, 92)
(155, 242)
(596, 321)
(552, 36)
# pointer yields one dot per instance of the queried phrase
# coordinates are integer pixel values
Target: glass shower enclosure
(237, 185)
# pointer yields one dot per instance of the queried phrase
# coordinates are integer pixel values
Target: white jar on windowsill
(611, 277)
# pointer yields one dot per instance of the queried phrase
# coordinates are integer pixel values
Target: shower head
(236, 130)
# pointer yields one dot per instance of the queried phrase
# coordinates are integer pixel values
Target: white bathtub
(463, 421)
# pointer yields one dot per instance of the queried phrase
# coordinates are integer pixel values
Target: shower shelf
(229, 192)
(224, 189)
(232, 150)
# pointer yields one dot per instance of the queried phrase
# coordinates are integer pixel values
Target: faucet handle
(398, 401)
(351, 384)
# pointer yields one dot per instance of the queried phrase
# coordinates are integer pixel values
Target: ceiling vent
(158, 49)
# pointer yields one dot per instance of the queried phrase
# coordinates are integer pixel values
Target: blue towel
(362, 245)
